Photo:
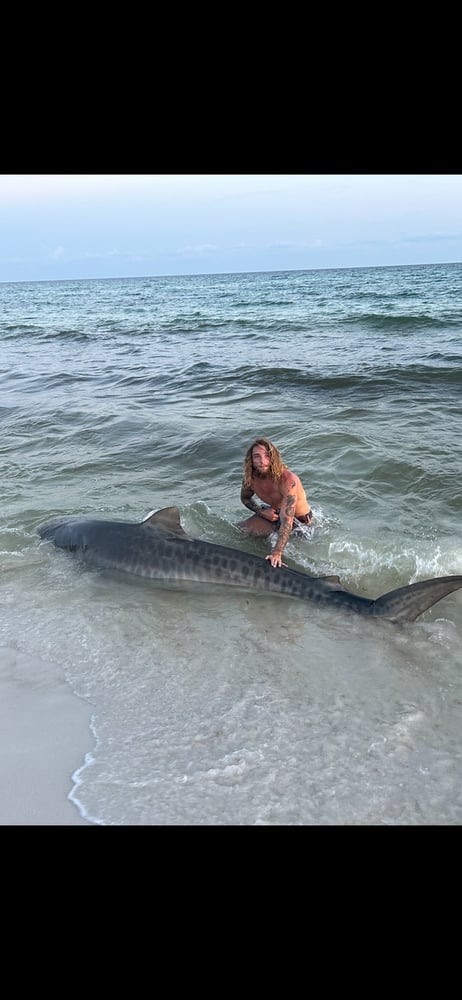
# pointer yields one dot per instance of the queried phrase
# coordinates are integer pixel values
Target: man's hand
(275, 559)
(268, 513)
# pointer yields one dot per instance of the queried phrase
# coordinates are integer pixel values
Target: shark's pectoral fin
(166, 519)
(334, 582)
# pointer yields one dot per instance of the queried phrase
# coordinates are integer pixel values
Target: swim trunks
(302, 519)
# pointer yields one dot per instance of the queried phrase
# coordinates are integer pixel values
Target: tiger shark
(158, 548)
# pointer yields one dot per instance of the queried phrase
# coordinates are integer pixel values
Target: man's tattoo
(287, 520)
(246, 497)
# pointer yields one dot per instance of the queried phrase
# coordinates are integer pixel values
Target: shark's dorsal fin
(168, 519)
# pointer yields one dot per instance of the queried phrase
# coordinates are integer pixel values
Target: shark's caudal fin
(407, 603)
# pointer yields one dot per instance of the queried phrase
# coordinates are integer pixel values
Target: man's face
(260, 459)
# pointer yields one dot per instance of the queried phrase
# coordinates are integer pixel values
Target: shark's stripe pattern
(159, 549)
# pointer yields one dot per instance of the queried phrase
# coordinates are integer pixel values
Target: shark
(158, 548)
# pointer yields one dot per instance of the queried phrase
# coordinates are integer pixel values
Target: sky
(67, 226)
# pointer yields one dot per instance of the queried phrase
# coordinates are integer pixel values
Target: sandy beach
(44, 736)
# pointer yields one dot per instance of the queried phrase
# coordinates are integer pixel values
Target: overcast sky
(111, 225)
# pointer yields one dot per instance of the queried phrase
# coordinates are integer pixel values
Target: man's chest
(268, 491)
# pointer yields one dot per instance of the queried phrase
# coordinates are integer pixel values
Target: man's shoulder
(288, 476)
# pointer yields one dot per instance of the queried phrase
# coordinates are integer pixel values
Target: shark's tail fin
(407, 603)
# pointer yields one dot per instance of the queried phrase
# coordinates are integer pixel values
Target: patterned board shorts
(302, 519)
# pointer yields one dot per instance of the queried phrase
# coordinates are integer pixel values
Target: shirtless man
(267, 477)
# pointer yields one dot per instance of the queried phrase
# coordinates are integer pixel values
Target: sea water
(120, 396)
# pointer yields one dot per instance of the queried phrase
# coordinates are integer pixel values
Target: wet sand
(44, 736)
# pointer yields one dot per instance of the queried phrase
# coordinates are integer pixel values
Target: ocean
(121, 396)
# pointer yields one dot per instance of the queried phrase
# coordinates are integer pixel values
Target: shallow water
(119, 397)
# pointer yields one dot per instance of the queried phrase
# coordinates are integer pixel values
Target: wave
(403, 322)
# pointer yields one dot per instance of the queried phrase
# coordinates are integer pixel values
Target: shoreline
(45, 735)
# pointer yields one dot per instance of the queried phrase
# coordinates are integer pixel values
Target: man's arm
(286, 515)
(247, 494)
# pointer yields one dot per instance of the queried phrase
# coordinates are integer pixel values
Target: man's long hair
(277, 466)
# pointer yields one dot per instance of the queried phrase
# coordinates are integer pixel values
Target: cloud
(197, 251)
